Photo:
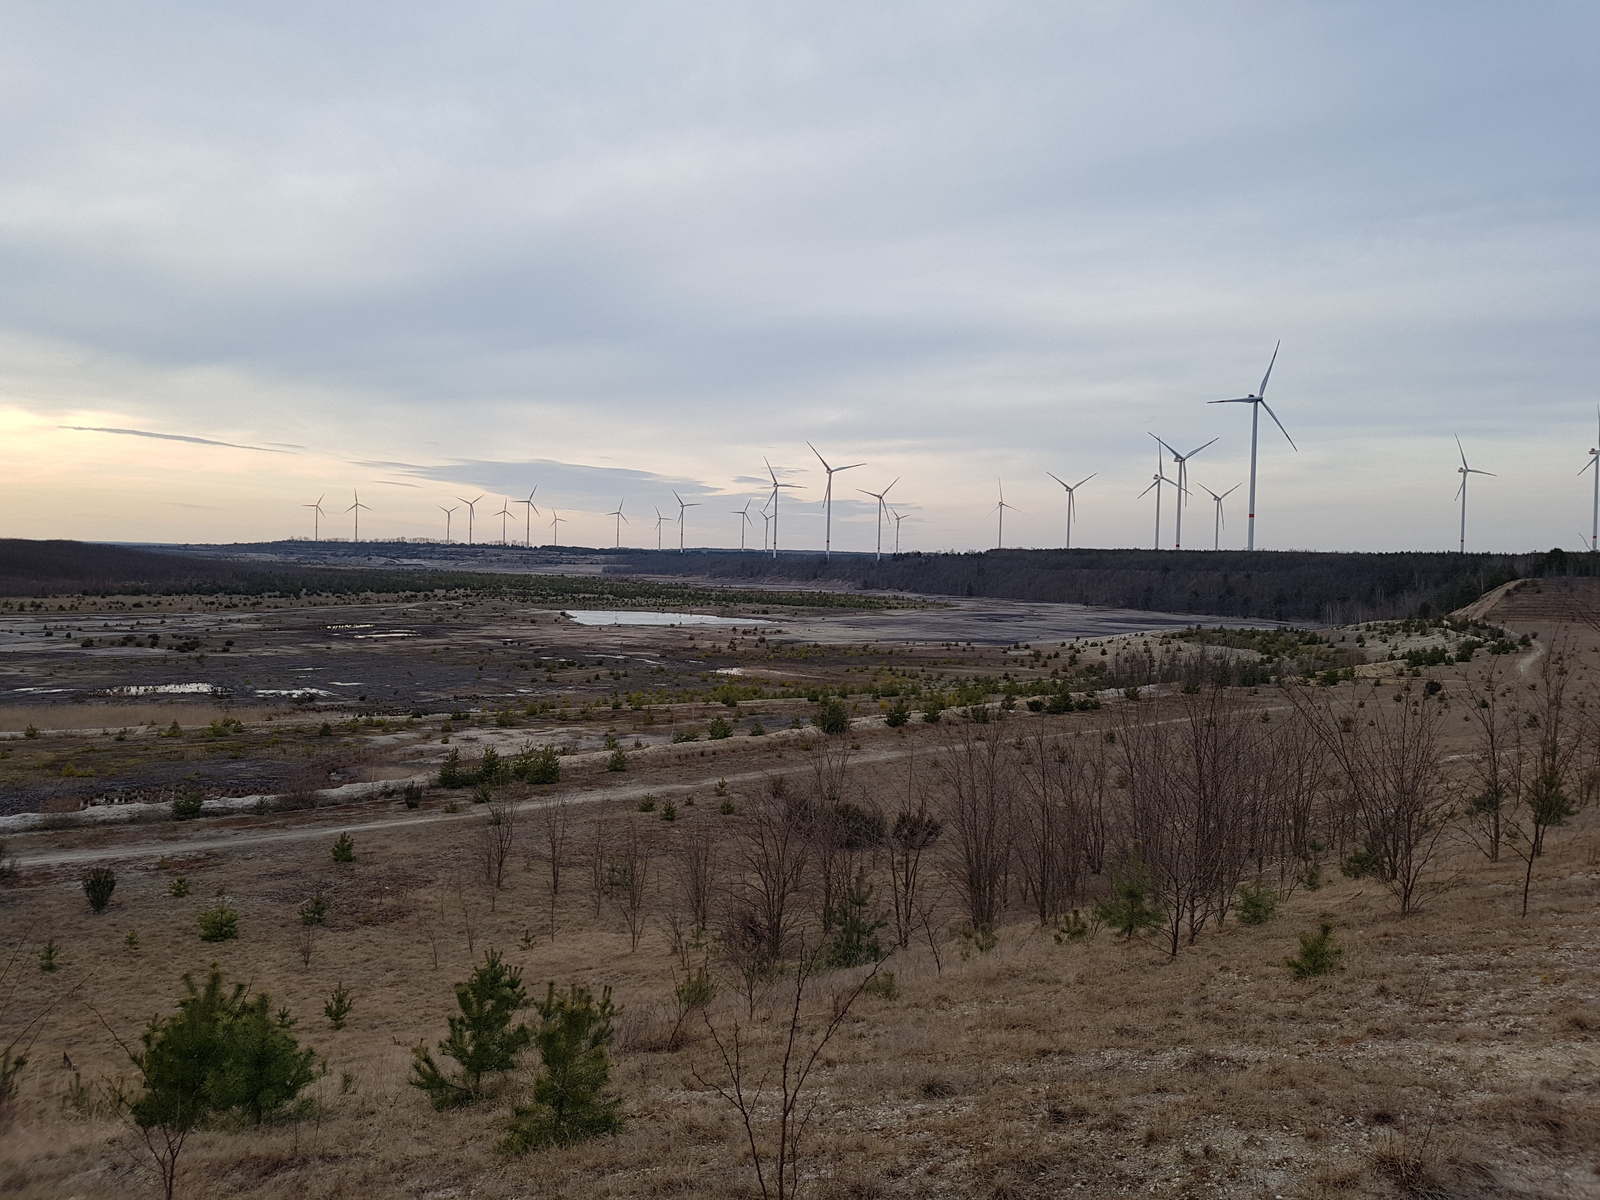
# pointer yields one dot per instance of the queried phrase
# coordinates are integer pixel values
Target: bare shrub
(555, 847)
(772, 1103)
(1193, 812)
(978, 778)
(628, 880)
(695, 870)
(1385, 746)
(774, 852)
(499, 835)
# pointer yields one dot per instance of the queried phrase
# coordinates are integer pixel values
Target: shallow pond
(589, 616)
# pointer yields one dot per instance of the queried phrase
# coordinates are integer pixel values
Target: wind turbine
(1159, 479)
(555, 527)
(1257, 401)
(527, 514)
(1072, 498)
(882, 508)
(472, 512)
(898, 517)
(1216, 531)
(620, 520)
(446, 512)
(1465, 471)
(766, 528)
(827, 502)
(683, 507)
(356, 508)
(316, 518)
(744, 519)
(775, 486)
(1594, 464)
(660, 521)
(1182, 485)
(504, 514)
(1000, 537)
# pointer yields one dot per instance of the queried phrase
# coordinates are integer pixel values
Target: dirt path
(357, 822)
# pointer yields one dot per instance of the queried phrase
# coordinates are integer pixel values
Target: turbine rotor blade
(1268, 375)
(1279, 424)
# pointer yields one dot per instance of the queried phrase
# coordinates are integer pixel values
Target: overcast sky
(617, 249)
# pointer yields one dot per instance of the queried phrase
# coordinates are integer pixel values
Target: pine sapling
(1318, 955)
(567, 1105)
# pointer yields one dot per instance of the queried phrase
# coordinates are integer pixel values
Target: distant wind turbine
(620, 521)
(827, 501)
(744, 520)
(660, 521)
(882, 509)
(1216, 529)
(1072, 499)
(504, 514)
(1465, 471)
(1182, 485)
(1257, 401)
(472, 512)
(446, 512)
(1000, 537)
(898, 517)
(356, 508)
(683, 507)
(555, 527)
(529, 508)
(766, 528)
(1594, 465)
(1159, 479)
(316, 518)
(775, 486)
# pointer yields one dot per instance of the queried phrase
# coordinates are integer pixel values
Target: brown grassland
(1456, 1053)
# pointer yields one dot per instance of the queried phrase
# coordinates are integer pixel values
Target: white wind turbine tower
(766, 528)
(898, 517)
(1182, 485)
(1594, 465)
(827, 502)
(1465, 471)
(316, 518)
(1257, 401)
(356, 508)
(529, 508)
(504, 514)
(1216, 529)
(620, 520)
(1000, 535)
(1072, 499)
(472, 512)
(683, 507)
(775, 486)
(446, 512)
(1159, 479)
(660, 521)
(882, 509)
(744, 519)
(555, 527)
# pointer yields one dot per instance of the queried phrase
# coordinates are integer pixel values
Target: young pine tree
(482, 1040)
(567, 1106)
(1130, 910)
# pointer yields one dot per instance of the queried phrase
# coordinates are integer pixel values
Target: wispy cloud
(173, 437)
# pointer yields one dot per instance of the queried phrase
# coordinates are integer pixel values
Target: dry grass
(1457, 1055)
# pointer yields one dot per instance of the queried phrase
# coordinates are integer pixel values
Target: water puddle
(585, 616)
